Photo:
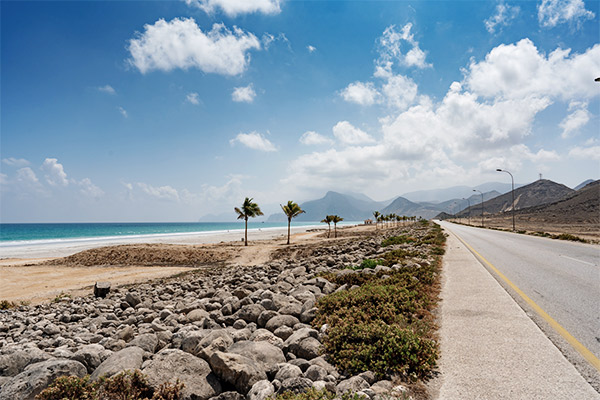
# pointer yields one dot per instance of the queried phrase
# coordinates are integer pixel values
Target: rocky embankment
(228, 333)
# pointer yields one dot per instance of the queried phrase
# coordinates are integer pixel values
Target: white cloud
(579, 116)
(554, 12)
(107, 89)
(519, 70)
(348, 134)
(89, 189)
(54, 172)
(311, 49)
(244, 94)
(123, 111)
(180, 43)
(503, 16)
(193, 98)
(391, 45)
(3, 179)
(254, 140)
(361, 93)
(399, 91)
(236, 7)
(162, 192)
(311, 138)
(27, 175)
(15, 162)
(589, 153)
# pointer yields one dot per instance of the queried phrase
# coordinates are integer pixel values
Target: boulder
(295, 385)
(101, 289)
(316, 373)
(261, 390)
(267, 336)
(262, 352)
(288, 371)
(197, 315)
(352, 385)
(133, 299)
(280, 320)
(229, 396)
(250, 312)
(170, 365)
(128, 358)
(146, 341)
(308, 348)
(237, 370)
(91, 355)
(37, 377)
(13, 363)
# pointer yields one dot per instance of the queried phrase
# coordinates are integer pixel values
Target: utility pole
(475, 190)
(513, 193)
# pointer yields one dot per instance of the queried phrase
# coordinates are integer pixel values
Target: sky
(171, 110)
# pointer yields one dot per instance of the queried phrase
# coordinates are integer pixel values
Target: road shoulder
(490, 349)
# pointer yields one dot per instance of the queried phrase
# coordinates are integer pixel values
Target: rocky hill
(535, 194)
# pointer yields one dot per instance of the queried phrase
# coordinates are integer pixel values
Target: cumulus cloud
(361, 93)
(123, 112)
(520, 70)
(89, 189)
(245, 94)
(162, 192)
(311, 138)
(15, 162)
(107, 89)
(236, 7)
(579, 116)
(589, 153)
(193, 98)
(255, 141)
(503, 16)
(181, 44)
(27, 175)
(554, 12)
(348, 134)
(311, 49)
(391, 45)
(54, 172)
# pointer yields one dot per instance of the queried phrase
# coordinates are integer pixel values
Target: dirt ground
(39, 280)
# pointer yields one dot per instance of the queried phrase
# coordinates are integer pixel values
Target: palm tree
(376, 214)
(328, 221)
(292, 210)
(248, 210)
(335, 219)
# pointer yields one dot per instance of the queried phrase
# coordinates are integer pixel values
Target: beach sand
(36, 274)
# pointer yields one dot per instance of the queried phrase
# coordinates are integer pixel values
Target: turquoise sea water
(16, 234)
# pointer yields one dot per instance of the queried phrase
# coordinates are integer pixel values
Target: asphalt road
(562, 277)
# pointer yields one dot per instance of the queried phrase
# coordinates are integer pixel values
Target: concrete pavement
(490, 349)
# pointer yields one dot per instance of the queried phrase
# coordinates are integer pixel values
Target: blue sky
(170, 110)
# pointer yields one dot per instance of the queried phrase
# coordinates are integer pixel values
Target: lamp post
(513, 194)
(469, 215)
(475, 190)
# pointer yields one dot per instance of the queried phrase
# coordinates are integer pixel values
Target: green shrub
(6, 305)
(568, 236)
(127, 385)
(402, 239)
(310, 394)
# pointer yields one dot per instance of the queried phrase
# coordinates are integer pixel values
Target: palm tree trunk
(335, 229)
(289, 223)
(329, 232)
(246, 234)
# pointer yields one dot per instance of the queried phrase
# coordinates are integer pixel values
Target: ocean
(20, 234)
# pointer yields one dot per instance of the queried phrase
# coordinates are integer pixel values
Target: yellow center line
(588, 355)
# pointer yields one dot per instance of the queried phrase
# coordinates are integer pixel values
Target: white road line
(574, 259)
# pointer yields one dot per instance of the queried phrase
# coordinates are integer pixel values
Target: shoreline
(64, 248)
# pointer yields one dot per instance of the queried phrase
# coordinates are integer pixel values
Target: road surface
(562, 277)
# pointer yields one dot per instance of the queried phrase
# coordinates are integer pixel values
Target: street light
(469, 215)
(513, 194)
(475, 190)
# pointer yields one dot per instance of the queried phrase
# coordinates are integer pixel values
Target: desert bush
(568, 236)
(402, 239)
(6, 305)
(127, 385)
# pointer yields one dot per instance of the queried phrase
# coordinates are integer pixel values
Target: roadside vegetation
(383, 322)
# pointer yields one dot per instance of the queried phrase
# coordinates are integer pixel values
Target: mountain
(346, 206)
(581, 206)
(540, 192)
(442, 195)
(583, 184)
(428, 210)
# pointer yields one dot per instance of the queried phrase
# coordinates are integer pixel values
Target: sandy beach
(38, 273)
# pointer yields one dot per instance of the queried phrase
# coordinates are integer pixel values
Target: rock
(292, 343)
(283, 332)
(91, 355)
(265, 316)
(51, 329)
(237, 370)
(229, 396)
(262, 352)
(382, 387)
(133, 299)
(101, 289)
(308, 348)
(126, 333)
(301, 362)
(322, 385)
(13, 363)
(197, 315)
(280, 320)
(170, 365)
(288, 371)
(250, 312)
(368, 376)
(315, 373)
(267, 336)
(37, 377)
(261, 390)
(352, 385)
(295, 385)
(128, 358)
(146, 341)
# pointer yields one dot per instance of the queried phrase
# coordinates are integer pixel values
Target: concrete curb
(490, 349)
